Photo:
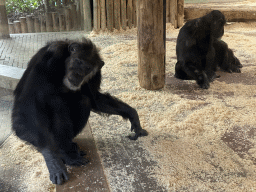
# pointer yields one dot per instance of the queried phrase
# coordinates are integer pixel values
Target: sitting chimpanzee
(54, 98)
(195, 51)
(225, 58)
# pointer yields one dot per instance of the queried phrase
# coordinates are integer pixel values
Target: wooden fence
(66, 19)
(118, 14)
(106, 14)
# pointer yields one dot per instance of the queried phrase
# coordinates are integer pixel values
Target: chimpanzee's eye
(73, 47)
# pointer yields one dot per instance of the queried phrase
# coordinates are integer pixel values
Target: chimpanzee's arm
(105, 103)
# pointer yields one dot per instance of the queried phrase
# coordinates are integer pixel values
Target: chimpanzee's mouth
(75, 82)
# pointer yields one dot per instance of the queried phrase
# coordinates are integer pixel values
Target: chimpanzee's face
(217, 24)
(80, 66)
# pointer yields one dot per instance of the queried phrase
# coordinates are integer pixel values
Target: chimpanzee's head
(82, 64)
(217, 21)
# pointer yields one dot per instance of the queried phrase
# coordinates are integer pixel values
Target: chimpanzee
(54, 98)
(225, 58)
(195, 51)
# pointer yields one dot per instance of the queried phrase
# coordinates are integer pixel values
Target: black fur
(53, 100)
(225, 58)
(195, 51)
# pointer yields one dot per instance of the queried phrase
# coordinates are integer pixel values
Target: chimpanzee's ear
(73, 47)
(101, 63)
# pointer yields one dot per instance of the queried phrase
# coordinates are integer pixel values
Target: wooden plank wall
(117, 14)
(114, 14)
(175, 12)
(107, 14)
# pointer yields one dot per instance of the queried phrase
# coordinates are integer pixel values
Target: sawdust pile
(28, 168)
(187, 125)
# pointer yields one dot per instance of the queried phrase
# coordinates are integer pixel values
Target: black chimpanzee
(225, 58)
(195, 51)
(54, 98)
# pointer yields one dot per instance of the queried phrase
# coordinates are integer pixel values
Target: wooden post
(96, 19)
(103, 14)
(180, 14)
(78, 15)
(129, 13)
(87, 15)
(30, 23)
(23, 23)
(43, 23)
(37, 25)
(55, 19)
(134, 14)
(110, 15)
(68, 18)
(123, 14)
(174, 14)
(11, 28)
(82, 14)
(9, 20)
(151, 43)
(49, 22)
(4, 27)
(167, 11)
(62, 22)
(117, 14)
(73, 16)
(17, 26)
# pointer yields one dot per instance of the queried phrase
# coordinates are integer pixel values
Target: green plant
(22, 6)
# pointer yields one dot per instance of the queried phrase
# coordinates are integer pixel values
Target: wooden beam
(110, 15)
(117, 14)
(81, 8)
(151, 43)
(230, 15)
(180, 13)
(174, 13)
(167, 11)
(103, 14)
(129, 13)
(96, 20)
(87, 15)
(4, 28)
(134, 13)
(23, 23)
(123, 14)
(30, 23)
(68, 19)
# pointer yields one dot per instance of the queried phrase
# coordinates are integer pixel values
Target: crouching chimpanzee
(54, 98)
(195, 51)
(225, 58)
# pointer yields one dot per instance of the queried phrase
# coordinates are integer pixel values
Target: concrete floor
(6, 101)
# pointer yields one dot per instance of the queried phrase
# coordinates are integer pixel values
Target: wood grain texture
(23, 23)
(117, 14)
(180, 13)
(134, 13)
(123, 14)
(129, 13)
(87, 15)
(151, 44)
(103, 14)
(173, 13)
(67, 19)
(168, 10)
(110, 15)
